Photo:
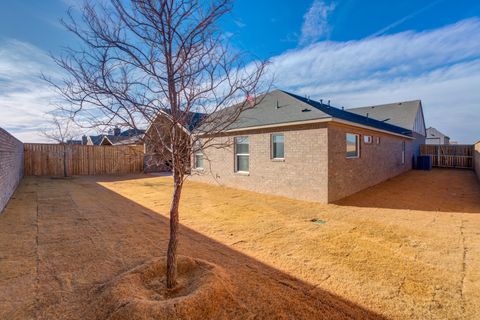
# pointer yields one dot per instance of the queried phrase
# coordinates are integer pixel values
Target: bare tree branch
(161, 64)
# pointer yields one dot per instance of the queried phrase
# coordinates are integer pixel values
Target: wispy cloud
(441, 67)
(406, 18)
(239, 23)
(315, 22)
(24, 96)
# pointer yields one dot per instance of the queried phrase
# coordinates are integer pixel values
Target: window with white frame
(278, 146)
(353, 146)
(367, 139)
(377, 139)
(242, 154)
(198, 156)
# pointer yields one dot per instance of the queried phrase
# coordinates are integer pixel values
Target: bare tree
(61, 130)
(159, 64)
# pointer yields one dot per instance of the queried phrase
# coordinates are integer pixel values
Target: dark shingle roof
(192, 119)
(280, 107)
(130, 135)
(275, 107)
(195, 119)
(401, 114)
(96, 140)
(357, 118)
(113, 139)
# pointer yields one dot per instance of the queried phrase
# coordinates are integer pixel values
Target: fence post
(450, 156)
(46, 159)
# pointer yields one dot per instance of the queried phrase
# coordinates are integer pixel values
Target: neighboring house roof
(282, 108)
(131, 140)
(401, 114)
(96, 140)
(131, 133)
(193, 119)
(130, 136)
(434, 133)
(116, 140)
(107, 140)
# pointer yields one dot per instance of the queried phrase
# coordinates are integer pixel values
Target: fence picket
(47, 159)
(449, 156)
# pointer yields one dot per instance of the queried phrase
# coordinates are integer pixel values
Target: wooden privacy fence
(449, 155)
(48, 159)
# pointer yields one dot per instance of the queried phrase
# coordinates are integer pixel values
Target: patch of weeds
(318, 221)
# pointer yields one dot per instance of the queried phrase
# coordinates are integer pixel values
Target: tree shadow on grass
(96, 234)
(441, 190)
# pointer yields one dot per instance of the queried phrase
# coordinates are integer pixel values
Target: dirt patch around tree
(141, 293)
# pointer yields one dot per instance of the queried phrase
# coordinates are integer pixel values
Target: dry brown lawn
(408, 248)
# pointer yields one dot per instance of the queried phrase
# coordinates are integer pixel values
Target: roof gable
(401, 114)
(96, 140)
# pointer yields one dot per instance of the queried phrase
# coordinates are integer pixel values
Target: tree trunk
(172, 244)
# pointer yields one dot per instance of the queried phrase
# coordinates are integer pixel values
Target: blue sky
(269, 28)
(353, 52)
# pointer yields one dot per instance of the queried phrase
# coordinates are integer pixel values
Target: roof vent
(306, 110)
(328, 103)
(321, 101)
(343, 108)
(367, 114)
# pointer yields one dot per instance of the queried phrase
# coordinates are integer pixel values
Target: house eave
(321, 120)
(283, 124)
(354, 124)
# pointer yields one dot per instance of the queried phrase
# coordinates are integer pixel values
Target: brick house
(300, 148)
(157, 158)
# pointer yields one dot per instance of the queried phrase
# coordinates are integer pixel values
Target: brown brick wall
(377, 162)
(302, 175)
(157, 157)
(11, 166)
(315, 166)
(476, 159)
